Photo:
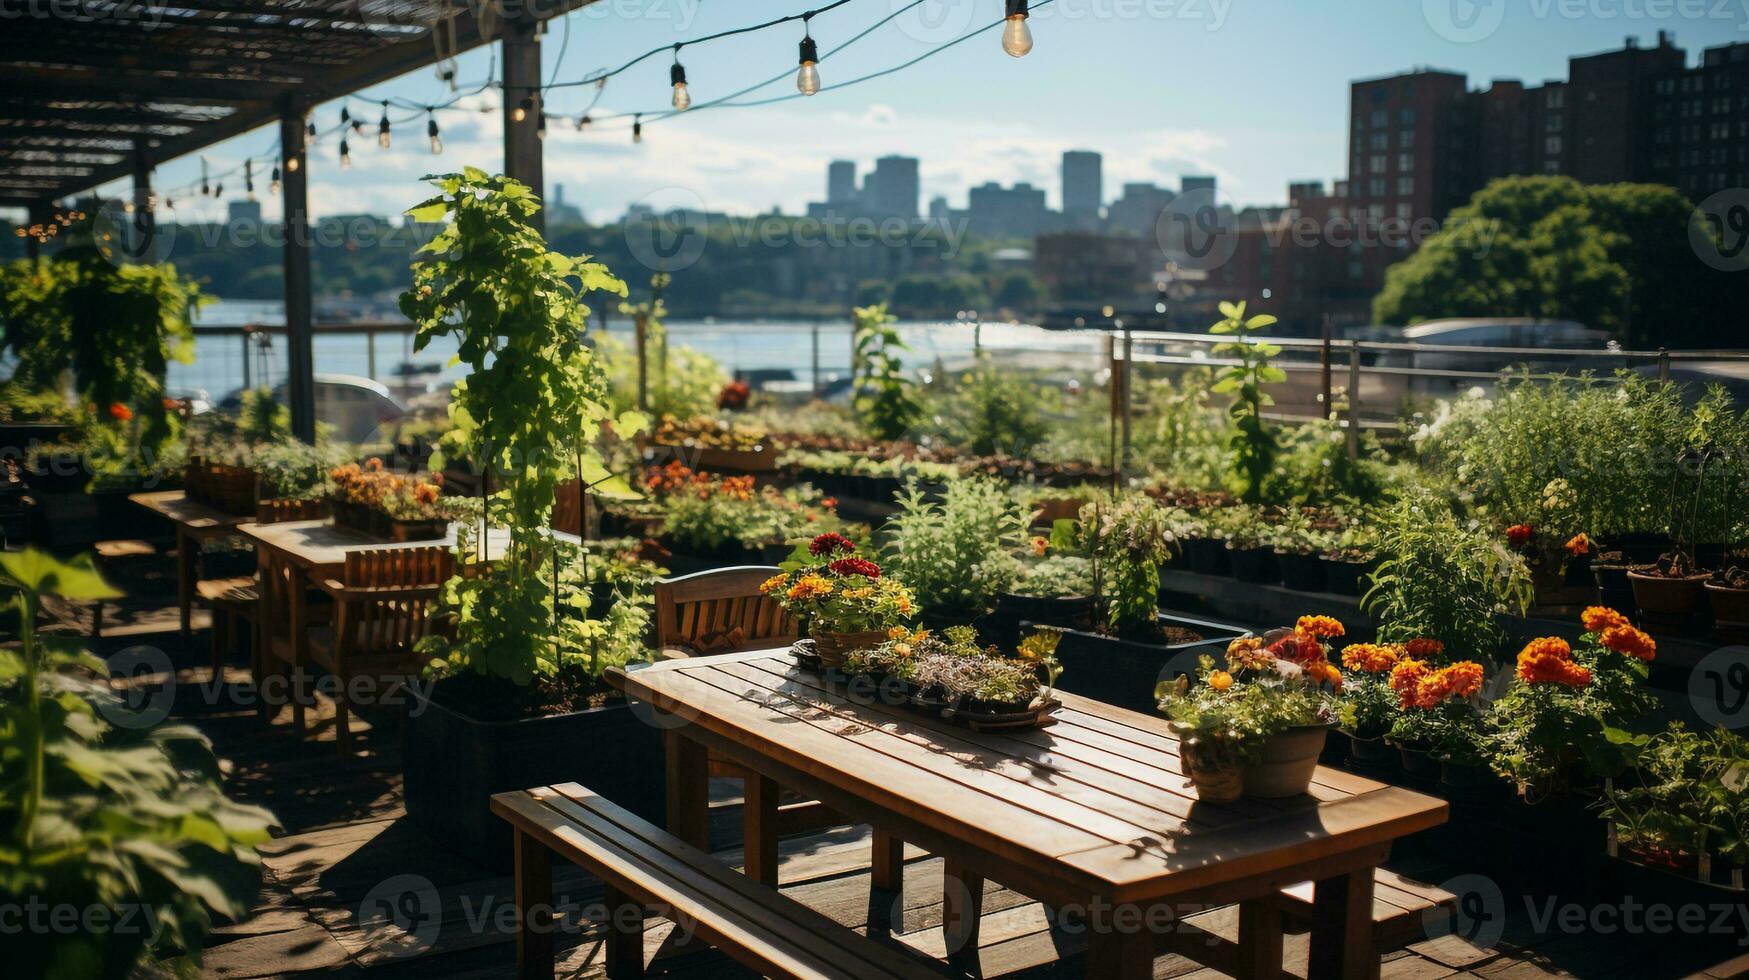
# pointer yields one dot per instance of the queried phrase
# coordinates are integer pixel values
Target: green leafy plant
(1685, 793)
(884, 400)
(1253, 443)
(956, 554)
(1237, 717)
(100, 817)
(1056, 577)
(529, 411)
(1128, 541)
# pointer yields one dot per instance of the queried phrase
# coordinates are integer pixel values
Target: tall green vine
(883, 395)
(528, 412)
(1253, 443)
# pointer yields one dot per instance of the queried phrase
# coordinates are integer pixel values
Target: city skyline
(1253, 93)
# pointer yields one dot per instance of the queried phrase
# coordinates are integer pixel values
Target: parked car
(357, 408)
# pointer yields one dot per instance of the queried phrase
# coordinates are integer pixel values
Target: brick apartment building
(1423, 142)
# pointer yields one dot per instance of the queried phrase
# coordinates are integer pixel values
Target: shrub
(955, 554)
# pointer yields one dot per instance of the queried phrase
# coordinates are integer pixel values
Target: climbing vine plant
(528, 412)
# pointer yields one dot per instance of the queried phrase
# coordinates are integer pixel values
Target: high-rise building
(561, 213)
(841, 183)
(1196, 184)
(1083, 187)
(1137, 210)
(892, 188)
(995, 211)
(244, 212)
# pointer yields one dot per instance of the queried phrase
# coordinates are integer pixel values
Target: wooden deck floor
(345, 847)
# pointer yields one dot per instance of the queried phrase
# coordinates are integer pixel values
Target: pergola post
(522, 81)
(143, 242)
(294, 190)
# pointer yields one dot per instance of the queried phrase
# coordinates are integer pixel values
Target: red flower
(733, 396)
(830, 543)
(1519, 535)
(1578, 545)
(855, 566)
(121, 413)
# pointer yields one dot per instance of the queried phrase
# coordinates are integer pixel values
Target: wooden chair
(723, 611)
(233, 600)
(116, 552)
(383, 605)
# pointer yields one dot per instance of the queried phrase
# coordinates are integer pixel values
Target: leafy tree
(1020, 292)
(1617, 257)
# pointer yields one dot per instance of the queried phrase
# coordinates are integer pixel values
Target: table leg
(887, 866)
(534, 900)
(187, 568)
(295, 690)
(1259, 941)
(962, 909)
(1127, 954)
(1342, 941)
(689, 796)
(759, 829)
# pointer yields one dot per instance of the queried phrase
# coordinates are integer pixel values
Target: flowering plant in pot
(1547, 732)
(1671, 590)
(1439, 719)
(1369, 706)
(949, 672)
(1266, 715)
(399, 507)
(843, 597)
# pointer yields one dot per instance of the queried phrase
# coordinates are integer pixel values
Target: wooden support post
(759, 829)
(299, 307)
(1324, 406)
(887, 867)
(1354, 399)
(534, 901)
(522, 81)
(624, 954)
(1342, 939)
(141, 240)
(1123, 459)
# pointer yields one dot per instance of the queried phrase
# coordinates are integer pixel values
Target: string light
(383, 127)
(346, 118)
(808, 75)
(273, 184)
(638, 128)
(205, 188)
(540, 129)
(345, 155)
(677, 78)
(249, 178)
(520, 113)
(431, 131)
(291, 165)
(219, 191)
(1016, 36)
(583, 122)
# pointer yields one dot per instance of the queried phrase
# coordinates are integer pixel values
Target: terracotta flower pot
(1730, 611)
(1285, 765)
(1215, 783)
(1668, 601)
(833, 648)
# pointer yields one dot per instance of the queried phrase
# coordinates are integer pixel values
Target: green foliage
(528, 412)
(956, 554)
(1057, 577)
(883, 395)
(262, 418)
(107, 820)
(1616, 257)
(1252, 443)
(1441, 580)
(1128, 540)
(992, 411)
(1684, 792)
(21, 403)
(1369, 706)
(1239, 720)
(692, 378)
(116, 328)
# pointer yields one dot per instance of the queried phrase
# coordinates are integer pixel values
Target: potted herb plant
(374, 501)
(956, 554)
(843, 598)
(518, 692)
(1669, 591)
(1271, 709)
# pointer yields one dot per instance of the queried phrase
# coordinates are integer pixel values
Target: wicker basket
(833, 648)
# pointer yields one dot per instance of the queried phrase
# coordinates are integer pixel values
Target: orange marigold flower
(1460, 680)
(1405, 679)
(1322, 627)
(121, 413)
(1247, 653)
(809, 587)
(374, 464)
(1633, 642)
(773, 583)
(1220, 680)
(830, 503)
(1547, 646)
(1600, 618)
(1519, 535)
(1424, 648)
(1579, 545)
(1370, 658)
(1550, 660)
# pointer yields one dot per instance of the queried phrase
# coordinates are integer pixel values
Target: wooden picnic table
(195, 522)
(1090, 813)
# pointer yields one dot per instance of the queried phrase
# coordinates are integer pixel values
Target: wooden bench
(117, 550)
(1403, 912)
(644, 869)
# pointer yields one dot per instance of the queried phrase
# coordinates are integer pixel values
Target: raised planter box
(374, 523)
(228, 488)
(1124, 673)
(454, 763)
(715, 459)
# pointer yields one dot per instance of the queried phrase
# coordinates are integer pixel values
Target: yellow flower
(904, 605)
(773, 584)
(1220, 680)
(809, 587)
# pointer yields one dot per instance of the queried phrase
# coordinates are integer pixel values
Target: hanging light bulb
(205, 188)
(291, 165)
(249, 178)
(383, 127)
(345, 155)
(273, 184)
(521, 111)
(219, 191)
(346, 118)
(1016, 36)
(540, 129)
(638, 128)
(677, 77)
(808, 76)
(583, 122)
(431, 131)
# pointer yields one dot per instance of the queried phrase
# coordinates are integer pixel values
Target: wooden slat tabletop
(1097, 801)
(192, 515)
(320, 545)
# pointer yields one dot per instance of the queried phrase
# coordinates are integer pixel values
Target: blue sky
(1254, 91)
